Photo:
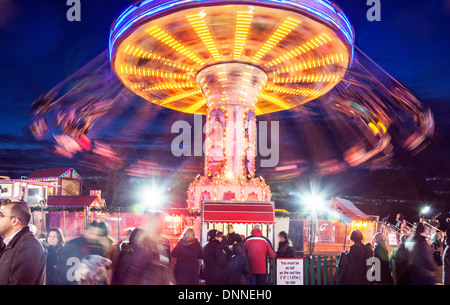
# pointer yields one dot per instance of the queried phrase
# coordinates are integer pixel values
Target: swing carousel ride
(233, 61)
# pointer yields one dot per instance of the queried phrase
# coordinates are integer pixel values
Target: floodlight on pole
(151, 198)
(425, 210)
(314, 201)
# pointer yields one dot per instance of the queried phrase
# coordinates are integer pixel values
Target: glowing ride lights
(303, 48)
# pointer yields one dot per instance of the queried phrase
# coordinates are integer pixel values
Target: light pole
(314, 202)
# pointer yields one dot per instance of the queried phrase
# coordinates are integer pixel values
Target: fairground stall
(327, 232)
(242, 215)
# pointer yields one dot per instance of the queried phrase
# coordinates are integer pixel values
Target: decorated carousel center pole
(231, 91)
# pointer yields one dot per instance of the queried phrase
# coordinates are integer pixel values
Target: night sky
(40, 48)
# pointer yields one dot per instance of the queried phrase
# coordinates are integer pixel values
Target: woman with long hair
(380, 251)
(188, 251)
(53, 243)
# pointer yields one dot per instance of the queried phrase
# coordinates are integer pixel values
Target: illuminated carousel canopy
(158, 49)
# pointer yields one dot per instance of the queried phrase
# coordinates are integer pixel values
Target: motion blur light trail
(336, 106)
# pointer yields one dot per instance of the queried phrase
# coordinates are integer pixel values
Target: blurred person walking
(74, 251)
(54, 242)
(104, 239)
(22, 257)
(214, 259)
(352, 268)
(143, 260)
(188, 251)
(380, 251)
(125, 272)
(438, 249)
(399, 263)
(257, 249)
(111, 249)
(284, 249)
(237, 270)
(420, 258)
(153, 262)
(446, 260)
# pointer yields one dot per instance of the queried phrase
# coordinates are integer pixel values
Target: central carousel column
(231, 91)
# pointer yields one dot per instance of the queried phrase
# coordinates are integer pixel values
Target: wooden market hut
(65, 181)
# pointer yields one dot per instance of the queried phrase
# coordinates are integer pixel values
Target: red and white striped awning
(238, 212)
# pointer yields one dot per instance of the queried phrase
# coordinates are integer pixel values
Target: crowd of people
(144, 256)
(415, 261)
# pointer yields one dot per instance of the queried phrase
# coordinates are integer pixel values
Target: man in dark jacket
(22, 257)
(257, 248)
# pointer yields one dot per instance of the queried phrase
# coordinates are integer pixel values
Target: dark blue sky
(40, 48)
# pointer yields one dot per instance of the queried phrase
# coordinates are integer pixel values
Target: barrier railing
(320, 270)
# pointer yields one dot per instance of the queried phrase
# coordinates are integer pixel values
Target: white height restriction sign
(289, 271)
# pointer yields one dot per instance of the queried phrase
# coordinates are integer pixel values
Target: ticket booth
(242, 215)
